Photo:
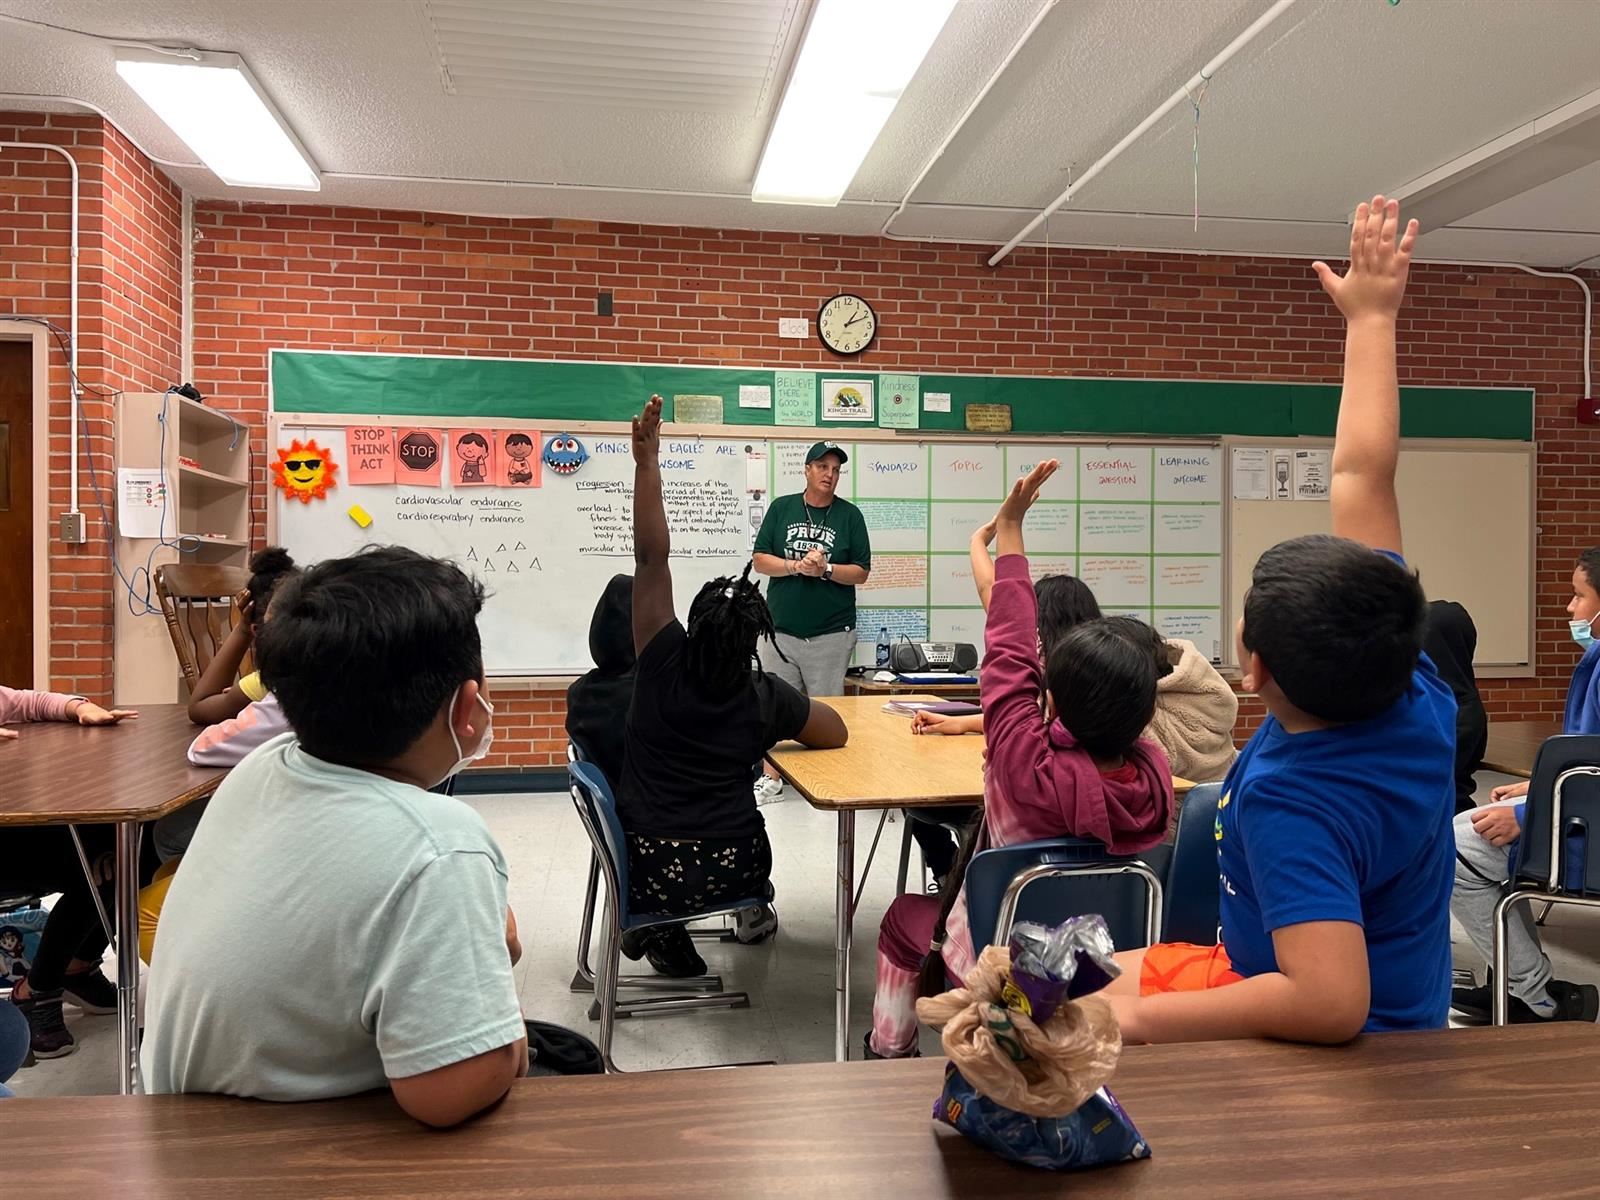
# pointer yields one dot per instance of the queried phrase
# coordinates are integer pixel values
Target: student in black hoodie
(597, 703)
(1450, 640)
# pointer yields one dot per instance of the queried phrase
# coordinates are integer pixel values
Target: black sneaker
(91, 991)
(669, 949)
(49, 1036)
(1574, 1001)
(1474, 1001)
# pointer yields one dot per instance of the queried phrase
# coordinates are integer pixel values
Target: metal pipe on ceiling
(1204, 74)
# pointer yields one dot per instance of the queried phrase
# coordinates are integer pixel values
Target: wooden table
(59, 773)
(1513, 745)
(863, 685)
(1454, 1112)
(885, 766)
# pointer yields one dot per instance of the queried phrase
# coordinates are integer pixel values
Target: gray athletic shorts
(816, 665)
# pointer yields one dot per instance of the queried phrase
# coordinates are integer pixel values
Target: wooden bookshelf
(205, 459)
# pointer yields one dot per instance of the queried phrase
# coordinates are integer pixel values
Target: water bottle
(883, 648)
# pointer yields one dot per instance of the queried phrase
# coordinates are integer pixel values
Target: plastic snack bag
(1030, 1049)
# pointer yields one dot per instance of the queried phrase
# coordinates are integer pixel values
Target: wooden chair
(197, 601)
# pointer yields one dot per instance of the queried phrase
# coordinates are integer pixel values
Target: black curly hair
(726, 621)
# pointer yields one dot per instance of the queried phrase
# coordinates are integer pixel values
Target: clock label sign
(847, 324)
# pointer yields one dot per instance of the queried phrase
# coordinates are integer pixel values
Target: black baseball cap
(818, 449)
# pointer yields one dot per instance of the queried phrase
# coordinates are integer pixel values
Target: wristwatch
(827, 572)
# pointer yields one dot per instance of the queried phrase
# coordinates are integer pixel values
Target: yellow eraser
(360, 516)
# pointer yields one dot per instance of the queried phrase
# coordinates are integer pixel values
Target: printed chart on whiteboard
(1141, 524)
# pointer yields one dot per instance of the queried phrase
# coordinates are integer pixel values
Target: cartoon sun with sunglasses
(304, 471)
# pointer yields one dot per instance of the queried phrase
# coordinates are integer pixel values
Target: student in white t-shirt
(325, 847)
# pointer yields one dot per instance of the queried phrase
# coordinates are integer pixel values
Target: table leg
(844, 903)
(127, 886)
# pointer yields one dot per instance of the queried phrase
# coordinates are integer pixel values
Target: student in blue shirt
(1487, 840)
(1333, 832)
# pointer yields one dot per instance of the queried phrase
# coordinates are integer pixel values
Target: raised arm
(652, 543)
(1366, 444)
(982, 564)
(1012, 678)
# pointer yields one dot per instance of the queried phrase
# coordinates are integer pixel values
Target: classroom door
(16, 513)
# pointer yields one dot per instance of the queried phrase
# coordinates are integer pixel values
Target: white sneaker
(768, 790)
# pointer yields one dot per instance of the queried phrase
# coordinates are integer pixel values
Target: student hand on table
(1509, 791)
(1127, 1010)
(923, 721)
(1497, 824)
(86, 713)
(9, 735)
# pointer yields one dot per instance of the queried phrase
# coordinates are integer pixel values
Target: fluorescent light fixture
(214, 104)
(856, 60)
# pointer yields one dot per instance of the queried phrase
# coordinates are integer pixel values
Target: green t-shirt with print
(803, 606)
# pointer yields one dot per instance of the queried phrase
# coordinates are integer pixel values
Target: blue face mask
(1581, 632)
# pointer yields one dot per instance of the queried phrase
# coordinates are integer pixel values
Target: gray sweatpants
(1481, 874)
(816, 665)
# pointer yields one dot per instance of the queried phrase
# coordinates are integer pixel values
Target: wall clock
(846, 324)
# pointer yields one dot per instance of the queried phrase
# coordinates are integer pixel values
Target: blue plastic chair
(1049, 881)
(597, 809)
(1556, 861)
(1192, 907)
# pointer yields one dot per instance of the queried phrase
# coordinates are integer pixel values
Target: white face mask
(1581, 632)
(463, 758)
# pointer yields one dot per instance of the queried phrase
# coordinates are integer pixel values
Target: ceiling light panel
(695, 55)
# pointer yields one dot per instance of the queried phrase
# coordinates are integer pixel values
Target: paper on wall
(755, 395)
(143, 503)
(1281, 472)
(1252, 473)
(936, 402)
(1312, 472)
(795, 402)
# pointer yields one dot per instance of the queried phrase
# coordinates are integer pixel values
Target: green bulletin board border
(305, 381)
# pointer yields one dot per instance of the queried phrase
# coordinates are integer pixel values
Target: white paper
(935, 401)
(1312, 471)
(1281, 472)
(794, 327)
(755, 395)
(144, 504)
(1252, 473)
(755, 472)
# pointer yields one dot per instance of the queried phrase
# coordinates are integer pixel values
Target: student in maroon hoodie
(1078, 769)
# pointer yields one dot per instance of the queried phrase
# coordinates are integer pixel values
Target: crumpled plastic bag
(1032, 1091)
(1067, 1058)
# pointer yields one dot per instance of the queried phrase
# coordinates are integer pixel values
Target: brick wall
(128, 311)
(352, 279)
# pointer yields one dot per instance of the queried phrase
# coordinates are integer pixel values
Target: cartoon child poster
(472, 455)
(517, 463)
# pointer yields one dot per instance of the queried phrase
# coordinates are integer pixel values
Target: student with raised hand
(1486, 842)
(703, 712)
(325, 847)
(1333, 832)
(1080, 771)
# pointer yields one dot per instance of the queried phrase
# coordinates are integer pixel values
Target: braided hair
(726, 620)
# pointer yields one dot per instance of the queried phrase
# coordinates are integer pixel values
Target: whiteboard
(544, 554)
(1141, 522)
(1467, 521)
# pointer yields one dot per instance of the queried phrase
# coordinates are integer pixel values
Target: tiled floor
(789, 980)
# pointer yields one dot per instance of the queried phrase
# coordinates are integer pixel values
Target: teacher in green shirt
(814, 546)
